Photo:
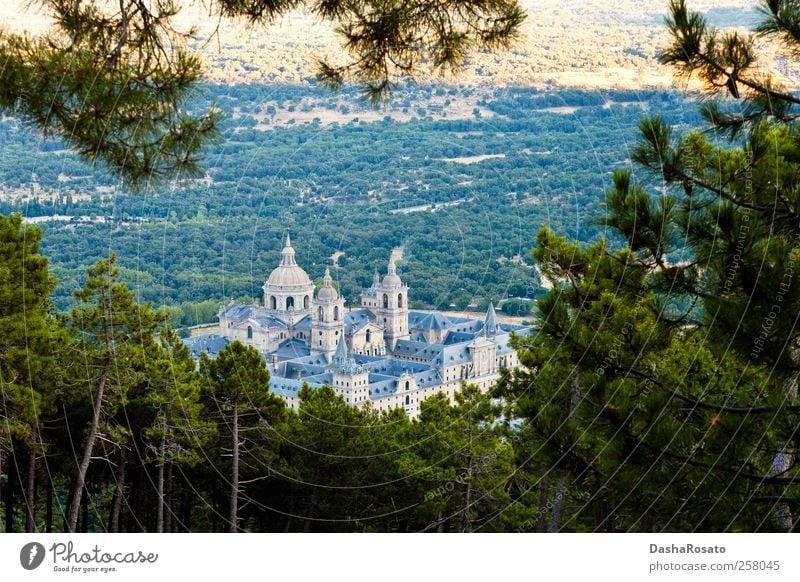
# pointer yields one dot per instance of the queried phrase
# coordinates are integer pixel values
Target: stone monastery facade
(380, 352)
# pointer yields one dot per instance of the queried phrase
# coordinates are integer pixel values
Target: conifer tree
(26, 346)
(663, 381)
(237, 381)
(111, 78)
(179, 431)
(113, 337)
(465, 460)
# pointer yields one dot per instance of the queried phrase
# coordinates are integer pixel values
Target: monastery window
(289, 303)
(273, 302)
(385, 302)
(400, 300)
(305, 302)
(249, 332)
(408, 400)
(367, 336)
(336, 313)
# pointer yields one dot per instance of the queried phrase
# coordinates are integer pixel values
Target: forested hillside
(460, 178)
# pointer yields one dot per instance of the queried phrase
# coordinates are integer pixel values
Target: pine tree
(237, 381)
(662, 383)
(111, 78)
(113, 337)
(179, 432)
(26, 344)
(462, 463)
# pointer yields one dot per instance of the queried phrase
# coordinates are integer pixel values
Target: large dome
(285, 278)
(288, 276)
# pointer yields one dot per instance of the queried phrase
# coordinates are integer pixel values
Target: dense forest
(358, 187)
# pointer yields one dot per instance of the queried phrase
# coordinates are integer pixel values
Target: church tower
(391, 306)
(327, 318)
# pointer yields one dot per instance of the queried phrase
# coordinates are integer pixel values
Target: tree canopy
(663, 384)
(112, 78)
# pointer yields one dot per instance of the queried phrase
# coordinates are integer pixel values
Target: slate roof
(428, 378)
(452, 355)
(428, 321)
(291, 349)
(412, 349)
(210, 344)
(356, 320)
(237, 311)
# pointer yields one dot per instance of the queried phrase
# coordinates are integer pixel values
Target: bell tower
(391, 297)
(327, 318)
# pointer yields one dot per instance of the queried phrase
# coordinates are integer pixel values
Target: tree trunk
(561, 487)
(291, 514)
(160, 515)
(604, 516)
(558, 506)
(544, 497)
(30, 488)
(466, 522)
(785, 457)
(48, 507)
(233, 516)
(88, 450)
(119, 494)
(2, 458)
(65, 527)
(12, 485)
(85, 514)
(312, 509)
(168, 500)
(186, 513)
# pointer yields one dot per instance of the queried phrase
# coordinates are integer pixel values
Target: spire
(326, 280)
(340, 357)
(287, 254)
(490, 322)
(376, 279)
(392, 269)
(343, 360)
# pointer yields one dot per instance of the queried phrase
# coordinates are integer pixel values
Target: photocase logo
(31, 555)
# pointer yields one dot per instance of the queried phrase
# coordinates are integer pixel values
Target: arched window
(400, 300)
(273, 302)
(367, 336)
(289, 303)
(320, 315)
(249, 332)
(408, 400)
(385, 301)
(336, 313)
(305, 302)
(406, 384)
